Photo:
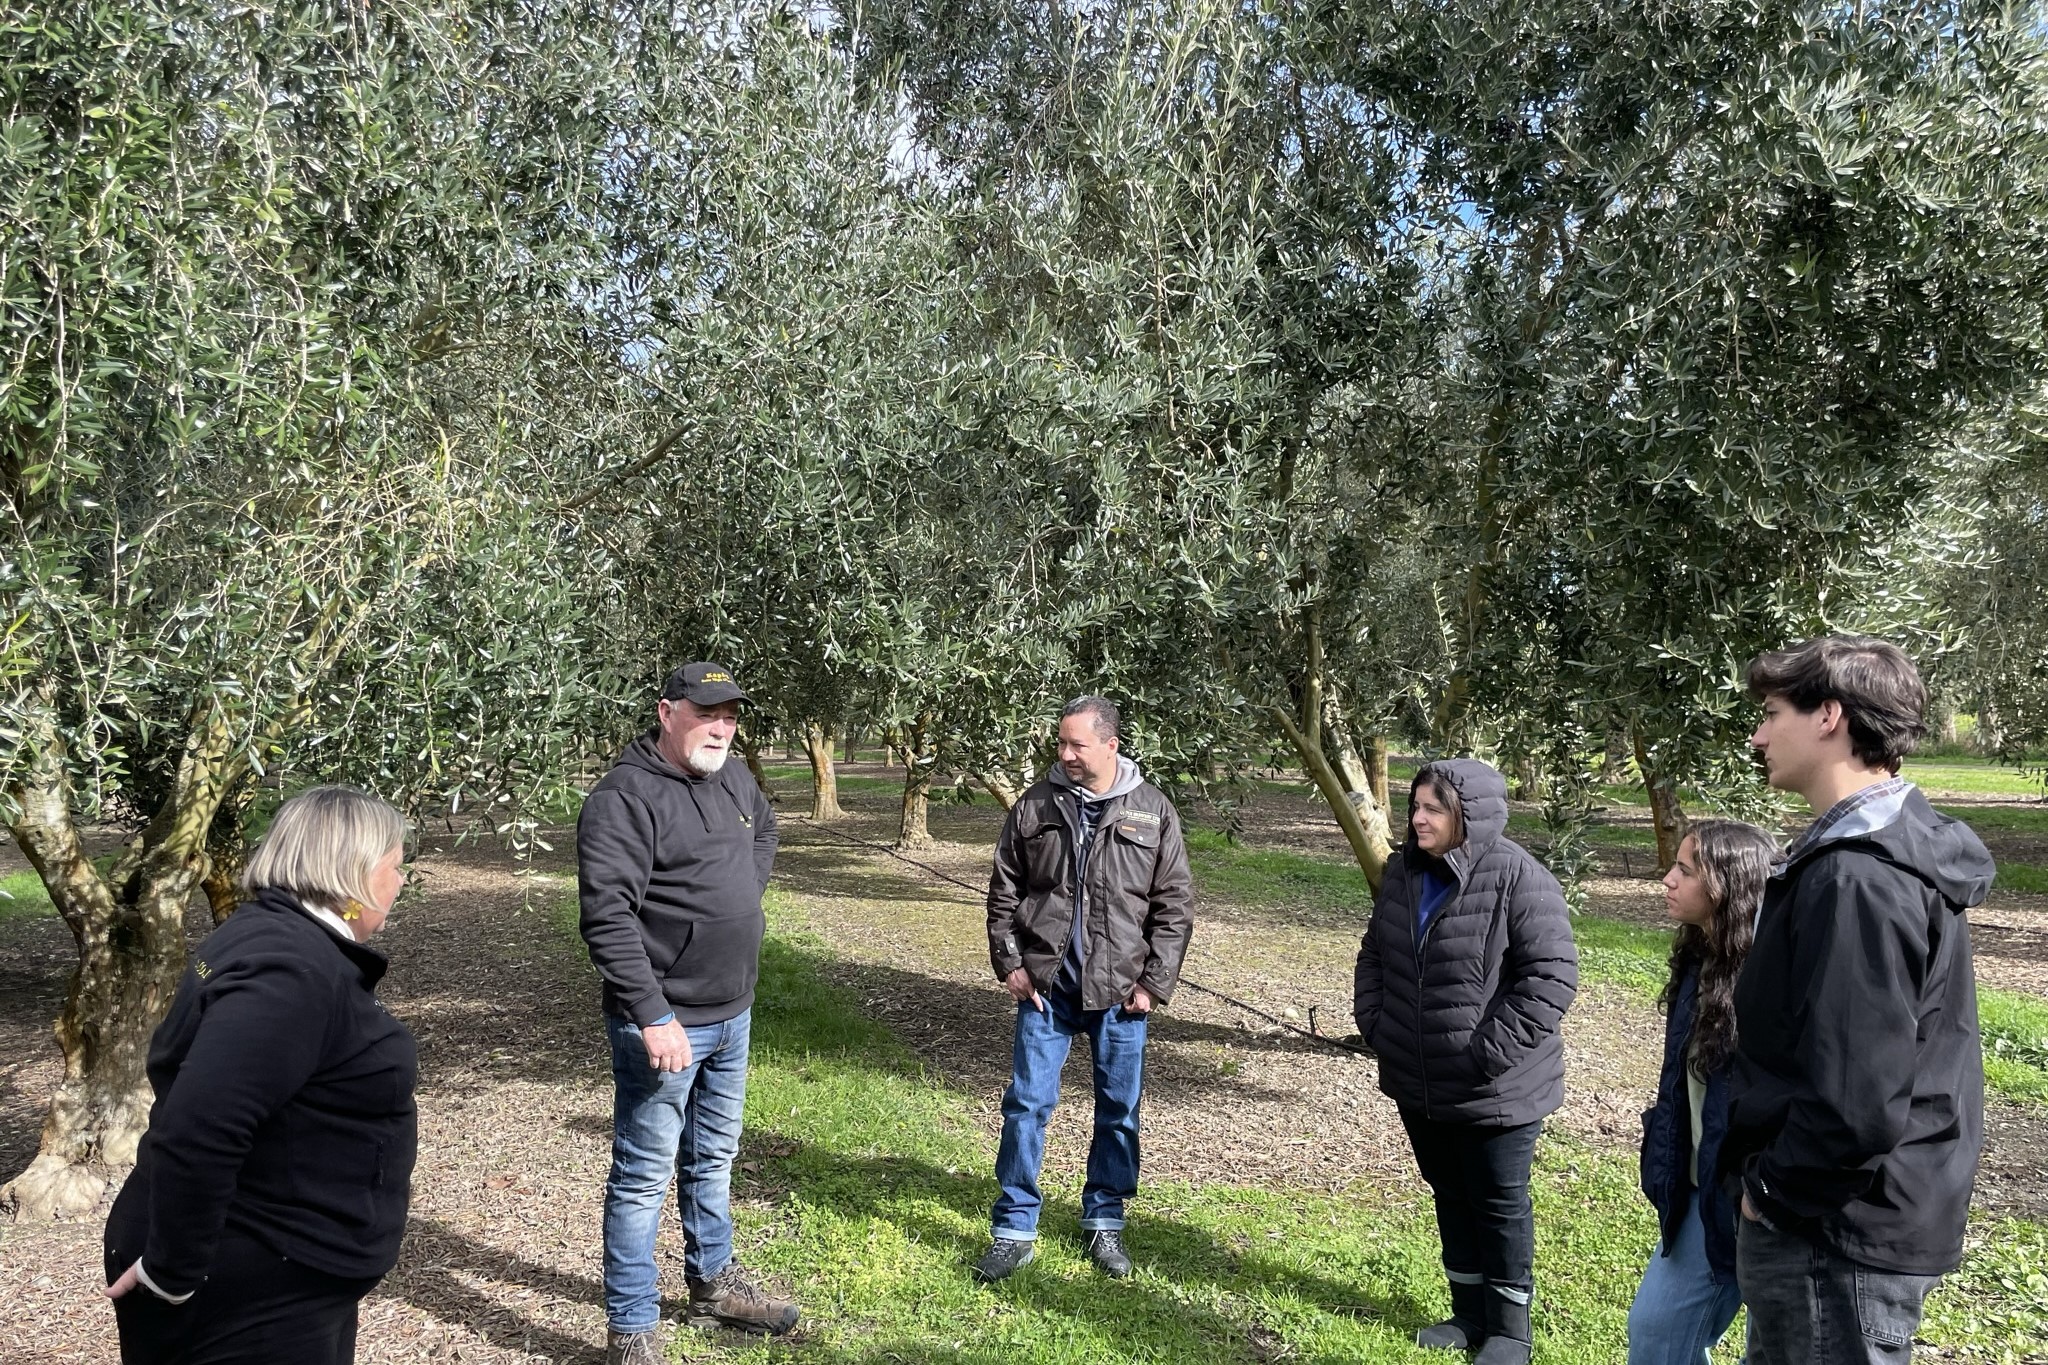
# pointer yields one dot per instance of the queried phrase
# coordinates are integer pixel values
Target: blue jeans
(682, 1124)
(1116, 1039)
(1680, 1312)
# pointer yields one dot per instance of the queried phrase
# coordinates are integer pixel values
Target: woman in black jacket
(270, 1192)
(1688, 1295)
(1465, 973)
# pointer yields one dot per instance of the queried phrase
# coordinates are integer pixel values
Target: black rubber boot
(1465, 1328)
(1507, 1329)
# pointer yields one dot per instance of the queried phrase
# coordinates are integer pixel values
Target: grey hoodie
(671, 869)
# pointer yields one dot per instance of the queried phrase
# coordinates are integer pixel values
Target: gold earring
(353, 910)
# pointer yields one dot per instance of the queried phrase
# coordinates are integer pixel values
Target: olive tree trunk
(1000, 787)
(818, 741)
(918, 766)
(129, 927)
(751, 752)
(1666, 815)
(1363, 820)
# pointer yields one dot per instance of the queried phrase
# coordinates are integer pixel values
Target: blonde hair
(323, 845)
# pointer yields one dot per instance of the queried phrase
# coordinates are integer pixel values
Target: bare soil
(501, 1262)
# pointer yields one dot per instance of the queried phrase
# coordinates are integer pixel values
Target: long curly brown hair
(1734, 862)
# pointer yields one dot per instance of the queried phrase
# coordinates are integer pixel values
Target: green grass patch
(847, 782)
(2001, 819)
(1971, 777)
(2015, 1031)
(1259, 876)
(24, 897)
(2029, 877)
(865, 1183)
(1632, 956)
(1996, 1306)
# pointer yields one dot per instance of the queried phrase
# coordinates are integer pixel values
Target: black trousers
(256, 1308)
(1480, 1177)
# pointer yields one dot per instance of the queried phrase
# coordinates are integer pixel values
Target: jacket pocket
(684, 932)
(1045, 855)
(720, 961)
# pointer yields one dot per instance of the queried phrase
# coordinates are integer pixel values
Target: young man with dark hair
(1856, 1111)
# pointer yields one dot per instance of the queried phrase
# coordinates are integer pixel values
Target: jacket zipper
(1422, 947)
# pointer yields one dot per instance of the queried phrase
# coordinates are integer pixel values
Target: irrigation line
(1309, 1033)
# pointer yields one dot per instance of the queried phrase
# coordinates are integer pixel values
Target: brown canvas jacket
(1140, 896)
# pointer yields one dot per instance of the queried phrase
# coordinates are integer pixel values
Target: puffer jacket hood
(1464, 1013)
(1483, 792)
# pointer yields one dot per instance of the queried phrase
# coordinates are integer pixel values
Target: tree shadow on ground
(433, 1274)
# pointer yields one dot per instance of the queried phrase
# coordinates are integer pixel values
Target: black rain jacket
(284, 1107)
(1465, 1022)
(1140, 897)
(1856, 1109)
(671, 868)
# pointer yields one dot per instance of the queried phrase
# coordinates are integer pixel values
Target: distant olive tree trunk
(1363, 822)
(129, 927)
(818, 741)
(915, 830)
(1666, 815)
(1000, 787)
(751, 752)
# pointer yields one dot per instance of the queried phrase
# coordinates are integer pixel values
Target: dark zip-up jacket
(1856, 1097)
(671, 868)
(1465, 1021)
(1140, 897)
(284, 1106)
(1667, 1141)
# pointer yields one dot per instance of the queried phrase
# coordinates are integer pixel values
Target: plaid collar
(1858, 813)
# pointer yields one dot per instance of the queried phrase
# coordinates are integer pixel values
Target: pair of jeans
(255, 1308)
(1479, 1174)
(1680, 1311)
(1116, 1040)
(1810, 1305)
(681, 1124)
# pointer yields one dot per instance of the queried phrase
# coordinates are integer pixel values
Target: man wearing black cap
(674, 849)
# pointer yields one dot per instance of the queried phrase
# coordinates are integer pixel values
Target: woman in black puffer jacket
(1465, 973)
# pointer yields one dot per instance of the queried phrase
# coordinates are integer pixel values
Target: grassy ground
(865, 1184)
(22, 896)
(1972, 777)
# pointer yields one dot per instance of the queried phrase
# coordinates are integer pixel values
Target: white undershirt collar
(330, 919)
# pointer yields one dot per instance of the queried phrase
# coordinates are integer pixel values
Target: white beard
(704, 763)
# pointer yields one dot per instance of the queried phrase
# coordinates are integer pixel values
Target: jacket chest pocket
(1129, 852)
(1045, 855)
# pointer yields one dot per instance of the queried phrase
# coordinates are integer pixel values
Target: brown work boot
(634, 1348)
(730, 1299)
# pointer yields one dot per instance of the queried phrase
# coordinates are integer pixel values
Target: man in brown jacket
(1089, 912)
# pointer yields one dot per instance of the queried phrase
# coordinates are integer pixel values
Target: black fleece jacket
(1856, 1096)
(1465, 1020)
(284, 1106)
(671, 870)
